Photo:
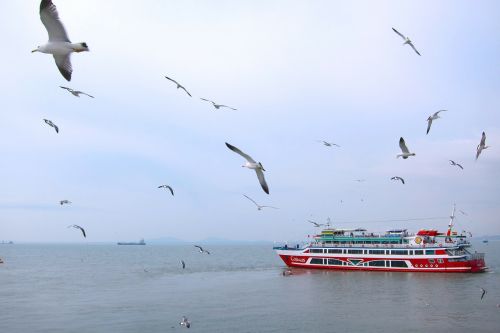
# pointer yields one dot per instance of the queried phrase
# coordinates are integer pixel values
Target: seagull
(59, 44)
(78, 227)
(183, 264)
(178, 85)
(431, 118)
(317, 225)
(51, 124)
(456, 164)
(481, 146)
(76, 93)
(287, 272)
(167, 186)
(218, 106)
(328, 144)
(398, 178)
(259, 207)
(406, 153)
(407, 40)
(359, 180)
(202, 250)
(185, 322)
(62, 202)
(484, 293)
(251, 164)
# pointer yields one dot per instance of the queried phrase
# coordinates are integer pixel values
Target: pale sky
(297, 71)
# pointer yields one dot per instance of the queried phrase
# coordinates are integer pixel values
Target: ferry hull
(294, 259)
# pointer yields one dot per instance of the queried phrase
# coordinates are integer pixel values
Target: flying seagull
(51, 124)
(259, 207)
(328, 144)
(166, 186)
(407, 40)
(482, 145)
(398, 178)
(202, 250)
(406, 153)
(431, 118)
(183, 264)
(456, 164)
(178, 85)
(78, 227)
(317, 225)
(251, 164)
(59, 44)
(484, 293)
(62, 202)
(76, 93)
(359, 180)
(185, 322)
(218, 106)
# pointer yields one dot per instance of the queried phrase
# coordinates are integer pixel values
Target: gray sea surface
(238, 288)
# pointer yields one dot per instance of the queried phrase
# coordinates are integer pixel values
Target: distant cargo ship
(141, 242)
(396, 250)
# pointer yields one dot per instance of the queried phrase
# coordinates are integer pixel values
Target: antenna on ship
(450, 225)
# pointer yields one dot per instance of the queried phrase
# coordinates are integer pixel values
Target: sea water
(237, 288)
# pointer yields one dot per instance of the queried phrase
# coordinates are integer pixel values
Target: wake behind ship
(394, 250)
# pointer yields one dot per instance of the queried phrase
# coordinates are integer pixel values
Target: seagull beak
(34, 50)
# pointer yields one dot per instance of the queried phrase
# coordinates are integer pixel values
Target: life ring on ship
(418, 240)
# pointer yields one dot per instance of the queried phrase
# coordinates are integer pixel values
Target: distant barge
(141, 242)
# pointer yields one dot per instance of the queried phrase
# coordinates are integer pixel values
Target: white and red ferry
(394, 250)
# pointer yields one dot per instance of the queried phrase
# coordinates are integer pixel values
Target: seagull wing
(68, 89)
(461, 167)
(256, 204)
(51, 21)
(429, 123)
(171, 190)
(402, 145)
(166, 77)
(225, 106)
(81, 92)
(236, 150)
(187, 92)
(402, 180)
(437, 112)
(56, 128)
(204, 99)
(201, 249)
(270, 207)
(414, 49)
(183, 264)
(63, 62)
(483, 140)
(262, 180)
(400, 34)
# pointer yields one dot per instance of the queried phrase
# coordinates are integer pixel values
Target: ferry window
(431, 261)
(378, 263)
(377, 252)
(316, 250)
(419, 252)
(410, 252)
(317, 261)
(429, 251)
(441, 261)
(400, 252)
(396, 263)
(355, 251)
(334, 262)
(334, 250)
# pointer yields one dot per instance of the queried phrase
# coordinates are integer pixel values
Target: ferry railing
(389, 246)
